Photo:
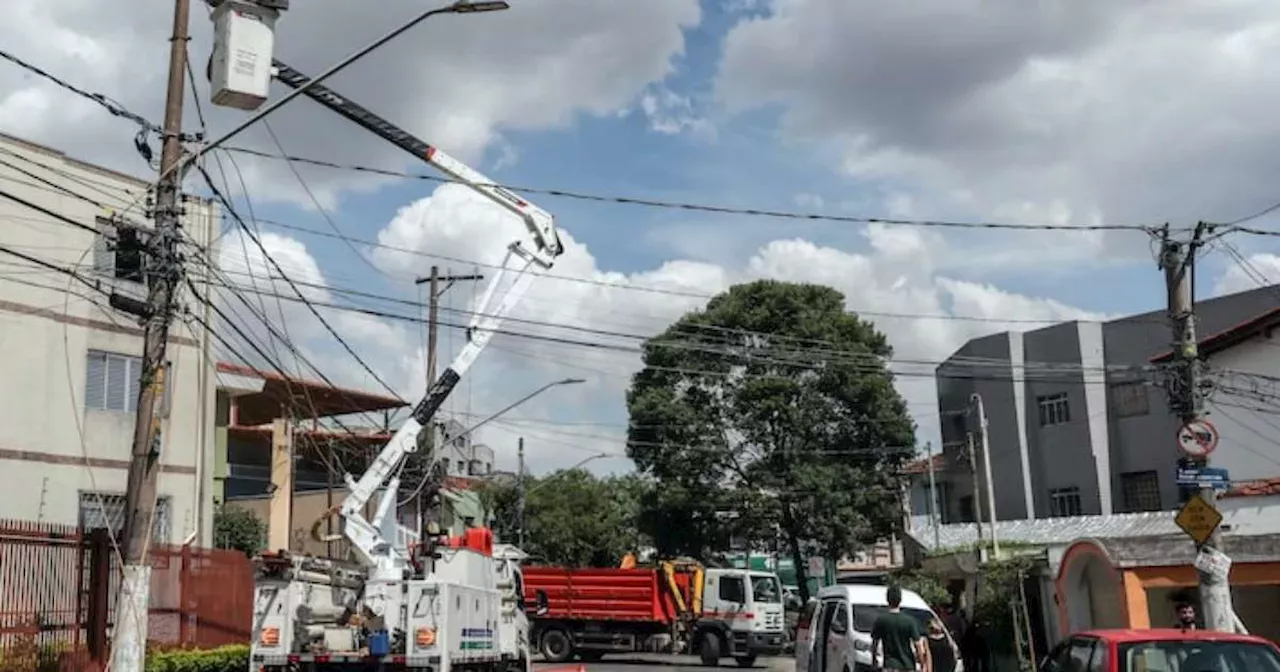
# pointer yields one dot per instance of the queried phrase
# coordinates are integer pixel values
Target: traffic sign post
(1199, 519)
(1197, 438)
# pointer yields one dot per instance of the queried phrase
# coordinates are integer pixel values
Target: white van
(834, 632)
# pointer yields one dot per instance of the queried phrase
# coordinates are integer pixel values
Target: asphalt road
(660, 663)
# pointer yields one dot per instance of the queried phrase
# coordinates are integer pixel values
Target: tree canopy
(769, 413)
(572, 518)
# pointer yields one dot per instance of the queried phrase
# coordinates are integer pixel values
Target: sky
(1071, 113)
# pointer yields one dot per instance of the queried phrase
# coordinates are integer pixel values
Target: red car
(1162, 651)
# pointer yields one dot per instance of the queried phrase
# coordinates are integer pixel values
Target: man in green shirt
(901, 637)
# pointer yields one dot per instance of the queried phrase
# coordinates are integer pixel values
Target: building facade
(1078, 421)
(71, 362)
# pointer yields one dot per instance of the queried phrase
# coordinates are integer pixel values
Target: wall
(966, 372)
(1243, 410)
(46, 435)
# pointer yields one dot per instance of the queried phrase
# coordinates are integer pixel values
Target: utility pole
(428, 435)
(1186, 400)
(163, 273)
(935, 515)
(986, 467)
(520, 493)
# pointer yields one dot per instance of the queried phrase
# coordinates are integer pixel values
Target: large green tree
(572, 517)
(769, 412)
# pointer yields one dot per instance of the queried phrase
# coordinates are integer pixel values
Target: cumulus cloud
(585, 321)
(1076, 111)
(1258, 270)
(460, 81)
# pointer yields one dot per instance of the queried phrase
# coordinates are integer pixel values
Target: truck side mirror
(540, 603)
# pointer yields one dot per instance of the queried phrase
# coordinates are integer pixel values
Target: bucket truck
(412, 599)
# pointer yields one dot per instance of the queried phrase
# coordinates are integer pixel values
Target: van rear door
(804, 635)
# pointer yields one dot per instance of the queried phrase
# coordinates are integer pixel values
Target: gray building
(1076, 427)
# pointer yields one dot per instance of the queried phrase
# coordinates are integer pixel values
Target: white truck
(411, 600)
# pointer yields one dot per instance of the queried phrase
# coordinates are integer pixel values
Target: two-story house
(1076, 426)
(69, 375)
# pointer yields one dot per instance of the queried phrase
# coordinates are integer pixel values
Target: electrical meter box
(243, 43)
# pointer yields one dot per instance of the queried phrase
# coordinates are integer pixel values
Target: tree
(770, 411)
(572, 518)
(239, 529)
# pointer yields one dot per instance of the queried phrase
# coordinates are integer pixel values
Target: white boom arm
(377, 543)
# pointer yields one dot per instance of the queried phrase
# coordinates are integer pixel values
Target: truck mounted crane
(387, 608)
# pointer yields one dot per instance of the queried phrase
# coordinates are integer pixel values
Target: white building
(70, 365)
(462, 457)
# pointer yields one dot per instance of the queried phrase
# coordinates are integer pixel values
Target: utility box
(243, 44)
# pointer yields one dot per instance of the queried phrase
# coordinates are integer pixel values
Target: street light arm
(521, 400)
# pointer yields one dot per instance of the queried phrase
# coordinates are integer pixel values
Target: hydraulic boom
(378, 544)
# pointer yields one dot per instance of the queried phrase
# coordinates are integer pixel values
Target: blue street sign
(1207, 477)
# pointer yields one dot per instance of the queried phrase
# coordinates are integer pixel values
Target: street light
(459, 7)
(521, 400)
(566, 470)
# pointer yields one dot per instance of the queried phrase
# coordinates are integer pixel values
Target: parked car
(834, 631)
(1162, 651)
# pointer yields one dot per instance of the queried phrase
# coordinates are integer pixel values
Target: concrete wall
(1243, 409)
(52, 448)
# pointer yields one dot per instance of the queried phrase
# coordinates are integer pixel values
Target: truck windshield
(1193, 656)
(766, 589)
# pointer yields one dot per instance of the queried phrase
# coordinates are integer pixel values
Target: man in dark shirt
(901, 637)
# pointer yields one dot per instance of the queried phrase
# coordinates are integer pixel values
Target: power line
(106, 103)
(261, 248)
(698, 207)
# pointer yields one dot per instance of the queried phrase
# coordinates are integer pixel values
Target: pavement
(666, 663)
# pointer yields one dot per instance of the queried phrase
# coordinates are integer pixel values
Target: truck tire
(556, 645)
(709, 649)
(746, 661)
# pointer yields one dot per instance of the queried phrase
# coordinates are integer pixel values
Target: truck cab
(742, 616)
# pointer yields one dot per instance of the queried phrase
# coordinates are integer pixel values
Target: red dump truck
(674, 607)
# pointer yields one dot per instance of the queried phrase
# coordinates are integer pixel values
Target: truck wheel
(746, 661)
(556, 646)
(709, 651)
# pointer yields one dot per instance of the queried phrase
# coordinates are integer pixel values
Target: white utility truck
(412, 599)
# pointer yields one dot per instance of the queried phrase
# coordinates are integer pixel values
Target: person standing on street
(942, 657)
(897, 640)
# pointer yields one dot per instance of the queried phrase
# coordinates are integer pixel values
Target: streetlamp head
(571, 381)
(470, 7)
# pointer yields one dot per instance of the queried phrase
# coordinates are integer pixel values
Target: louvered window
(111, 382)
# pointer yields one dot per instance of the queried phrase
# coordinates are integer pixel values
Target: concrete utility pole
(977, 487)
(935, 515)
(520, 493)
(1184, 395)
(163, 273)
(986, 467)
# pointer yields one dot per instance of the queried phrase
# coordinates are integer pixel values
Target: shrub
(234, 658)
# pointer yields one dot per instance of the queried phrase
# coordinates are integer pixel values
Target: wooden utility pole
(1186, 401)
(162, 274)
(520, 493)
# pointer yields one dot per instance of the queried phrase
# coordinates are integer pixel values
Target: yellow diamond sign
(1198, 519)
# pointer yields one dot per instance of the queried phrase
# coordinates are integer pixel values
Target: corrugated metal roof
(1247, 518)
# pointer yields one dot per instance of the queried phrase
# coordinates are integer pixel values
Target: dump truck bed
(606, 594)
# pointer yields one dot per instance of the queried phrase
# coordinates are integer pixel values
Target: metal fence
(57, 596)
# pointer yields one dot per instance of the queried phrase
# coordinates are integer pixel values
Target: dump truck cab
(742, 616)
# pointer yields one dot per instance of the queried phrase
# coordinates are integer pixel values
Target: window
(111, 382)
(118, 252)
(839, 623)
(732, 589)
(1065, 502)
(1054, 409)
(966, 510)
(1130, 399)
(1141, 491)
(1189, 654)
(102, 510)
(462, 466)
(865, 615)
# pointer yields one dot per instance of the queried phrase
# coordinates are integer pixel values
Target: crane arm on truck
(376, 543)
